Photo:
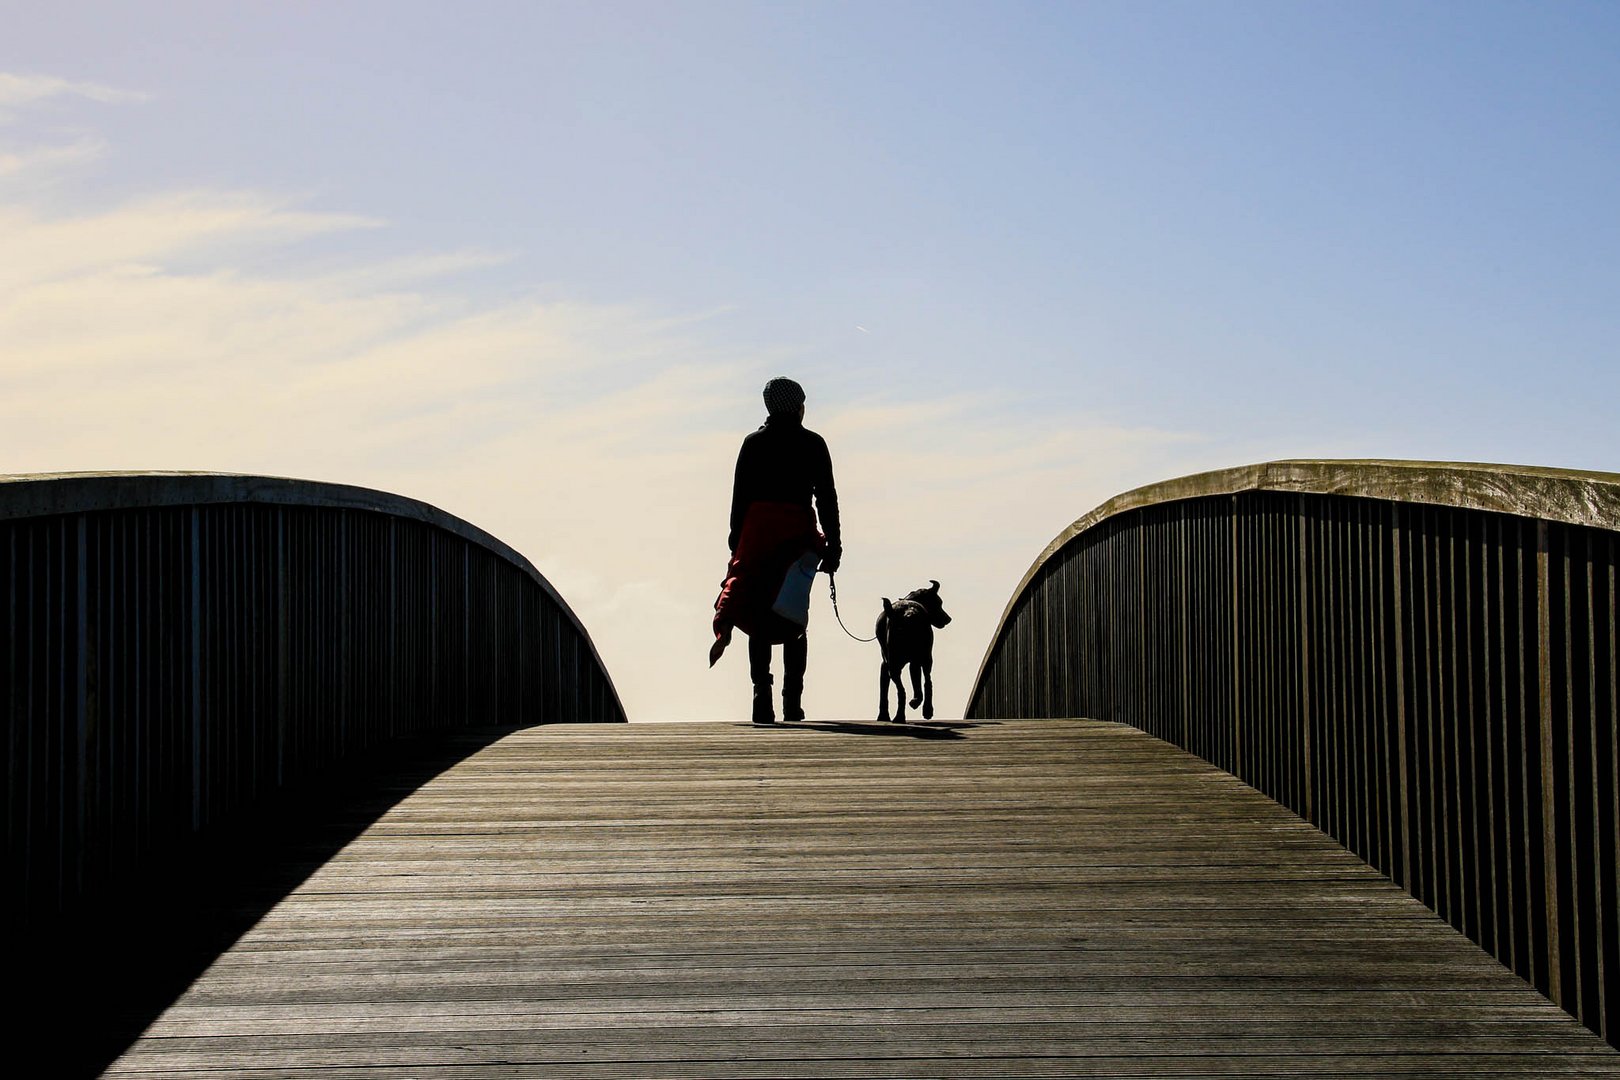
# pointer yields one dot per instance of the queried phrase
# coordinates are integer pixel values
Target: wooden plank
(1053, 898)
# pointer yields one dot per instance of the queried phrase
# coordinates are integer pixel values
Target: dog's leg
(897, 672)
(928, 688)
(883, 692)
(916, 684)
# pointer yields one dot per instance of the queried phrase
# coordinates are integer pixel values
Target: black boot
(794, 654)
(764, 713)
(759, 673)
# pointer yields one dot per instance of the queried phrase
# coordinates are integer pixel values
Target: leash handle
(832, 586)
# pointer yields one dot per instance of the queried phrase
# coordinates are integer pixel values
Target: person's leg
(759, 670)
(794, 655)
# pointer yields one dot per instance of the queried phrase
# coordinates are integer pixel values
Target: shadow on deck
(119, 967)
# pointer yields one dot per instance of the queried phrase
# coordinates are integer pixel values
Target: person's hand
(829, 561)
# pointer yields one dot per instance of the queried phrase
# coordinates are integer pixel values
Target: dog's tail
(887, 606)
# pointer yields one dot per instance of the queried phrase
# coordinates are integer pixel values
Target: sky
(532, 263)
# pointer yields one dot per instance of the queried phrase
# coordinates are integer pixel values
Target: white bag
(793, 599)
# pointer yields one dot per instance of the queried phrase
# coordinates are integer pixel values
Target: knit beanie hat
(783, 397)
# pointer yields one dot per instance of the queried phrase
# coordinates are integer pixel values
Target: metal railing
(1419, 658)
(175, 646)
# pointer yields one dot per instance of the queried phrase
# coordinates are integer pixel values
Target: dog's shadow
(928, 729)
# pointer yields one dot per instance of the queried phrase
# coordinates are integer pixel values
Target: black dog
(905, 633)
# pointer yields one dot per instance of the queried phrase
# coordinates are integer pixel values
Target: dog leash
(832, 584)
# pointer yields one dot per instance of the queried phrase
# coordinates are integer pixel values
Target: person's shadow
(928, 729)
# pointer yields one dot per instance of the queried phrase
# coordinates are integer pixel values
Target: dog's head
(929, 599)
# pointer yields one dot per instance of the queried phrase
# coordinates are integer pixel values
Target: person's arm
(739, 499)
(827, 510)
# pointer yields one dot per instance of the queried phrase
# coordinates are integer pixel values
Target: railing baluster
(176, 646)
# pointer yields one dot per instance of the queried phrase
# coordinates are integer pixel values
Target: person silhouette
(782, 469)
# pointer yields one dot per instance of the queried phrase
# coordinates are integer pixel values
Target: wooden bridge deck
(1048, 898)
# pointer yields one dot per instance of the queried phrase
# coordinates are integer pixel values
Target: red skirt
(774, 535)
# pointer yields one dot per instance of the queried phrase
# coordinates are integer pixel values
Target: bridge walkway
(1041, 898)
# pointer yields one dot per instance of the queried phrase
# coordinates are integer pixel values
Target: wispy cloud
(18, 90)
(153, 232)
(59, 149)
(42, 158)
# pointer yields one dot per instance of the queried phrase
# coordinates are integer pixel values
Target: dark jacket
(784, 461)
